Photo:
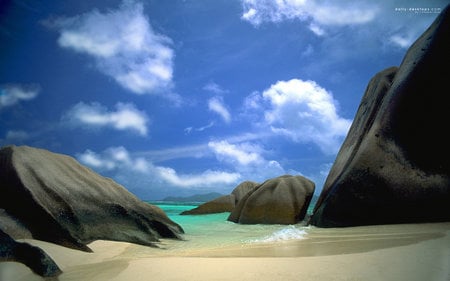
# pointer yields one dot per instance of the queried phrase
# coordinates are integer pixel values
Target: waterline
(214, 231)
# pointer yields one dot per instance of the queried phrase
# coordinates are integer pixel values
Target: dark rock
(394, 165)
(222, 204)
(225, 203)
(281, 200)
(58, 200)
(33, 257)
(242, 190)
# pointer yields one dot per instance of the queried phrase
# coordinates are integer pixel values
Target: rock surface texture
(33, 257)
(394, 165)
(51, 197)
(225, 203)
(281, 200)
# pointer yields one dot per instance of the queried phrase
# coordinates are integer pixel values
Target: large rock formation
(221, 204)
(394, 165)
(52, 197)
(33, 257)
(225, 203)
(281, 200)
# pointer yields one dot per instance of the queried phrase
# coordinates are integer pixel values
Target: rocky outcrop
(225, 203)
(53, 198)
(394, 165)
(33, 257)
(281, 200)
(222, 204)
(242, 190)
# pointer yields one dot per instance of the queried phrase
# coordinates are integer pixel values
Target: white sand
(398, 252)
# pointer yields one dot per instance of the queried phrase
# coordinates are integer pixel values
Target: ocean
(214, 231)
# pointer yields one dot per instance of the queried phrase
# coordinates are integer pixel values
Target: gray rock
(33, 257)
(281, 200)
(56, 199)
(243, 189)
(222, 204)
(394, 165)
(225, 203)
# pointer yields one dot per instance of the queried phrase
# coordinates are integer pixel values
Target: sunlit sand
(386, 252)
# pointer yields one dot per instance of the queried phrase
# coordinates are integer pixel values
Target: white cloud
(12, 94)
(319, 13)
(91, 159)
(316, 29)
(305, 112)
(205, 179)
(214, 88)
(243, 153)
(348, 13)
(216, 105)
(189, 151)
(402, 41)
(252, 101)
(124, 46)
(126, 117)
(188, 130)
(122, 163)
(390, 23)
(247, 159)
(110, 159)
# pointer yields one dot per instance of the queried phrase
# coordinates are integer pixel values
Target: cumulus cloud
(216, 105)
(243, 154)
(247, 159)
(253, 101)
(318, 13)
(402, 40)
(94, 160)
(125, 117)
(124, 46)
(205, 179)
(12, 94)
(120, 161)
(399, 26)
(304, 112)
(316, 29)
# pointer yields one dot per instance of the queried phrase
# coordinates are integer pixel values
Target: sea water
(215, 231)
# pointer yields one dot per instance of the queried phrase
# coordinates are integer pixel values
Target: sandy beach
(385, 252)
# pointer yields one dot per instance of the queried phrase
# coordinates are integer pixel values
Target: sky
(181, 97)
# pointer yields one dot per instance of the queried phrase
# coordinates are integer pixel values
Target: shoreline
(385, 252)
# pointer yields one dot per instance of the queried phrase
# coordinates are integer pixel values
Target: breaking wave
(290, 232)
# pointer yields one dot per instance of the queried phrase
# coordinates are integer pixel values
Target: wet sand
(387, 252)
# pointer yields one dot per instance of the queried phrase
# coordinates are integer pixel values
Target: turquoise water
(214, 231)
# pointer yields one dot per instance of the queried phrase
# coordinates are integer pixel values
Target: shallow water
(214, 231)
(212, 235)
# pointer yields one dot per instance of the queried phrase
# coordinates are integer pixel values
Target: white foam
(287, 233)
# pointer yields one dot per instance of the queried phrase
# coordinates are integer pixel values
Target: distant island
(194, 198)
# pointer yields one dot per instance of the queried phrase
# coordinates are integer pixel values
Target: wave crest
(287, 233)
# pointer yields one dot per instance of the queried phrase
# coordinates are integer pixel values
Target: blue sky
(181, 97)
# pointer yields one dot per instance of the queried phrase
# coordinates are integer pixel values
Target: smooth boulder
(33, 257)
(394, 165)
(221, 204)
(281, 200)
(53, 198)
(225, 203)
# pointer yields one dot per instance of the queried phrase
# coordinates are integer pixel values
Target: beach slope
(386, 252)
